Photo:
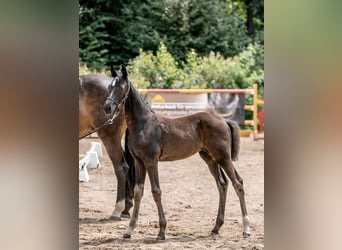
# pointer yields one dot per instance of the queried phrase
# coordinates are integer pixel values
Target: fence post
(255, 111)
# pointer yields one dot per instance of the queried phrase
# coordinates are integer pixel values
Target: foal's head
(118, 91)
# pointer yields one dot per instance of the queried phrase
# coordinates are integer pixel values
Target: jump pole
(253, 108)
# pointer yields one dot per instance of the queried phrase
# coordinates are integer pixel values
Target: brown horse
(93, 90)
(156, 138)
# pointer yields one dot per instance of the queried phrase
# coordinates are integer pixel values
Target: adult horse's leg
(140, 174)
(129, 194)
(121, 171)
(115, 154)
(237, 182)
(152, 170)
(130, 178)
(222, 186)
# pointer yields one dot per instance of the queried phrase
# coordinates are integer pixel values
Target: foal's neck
(136, 109)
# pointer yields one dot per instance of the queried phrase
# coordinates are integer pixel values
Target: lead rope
(106, 123)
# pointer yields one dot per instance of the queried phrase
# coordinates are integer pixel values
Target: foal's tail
(235, 146)
(130, 181)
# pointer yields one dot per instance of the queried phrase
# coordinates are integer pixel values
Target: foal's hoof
(125, 215)
(160, 237)
(114, 218)
(127, 236)
(213, 233)
(246, 234)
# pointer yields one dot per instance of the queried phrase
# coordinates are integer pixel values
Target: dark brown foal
(156, 138)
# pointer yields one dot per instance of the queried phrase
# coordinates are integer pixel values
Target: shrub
(211, 71)
(155, 71)
(84, 70)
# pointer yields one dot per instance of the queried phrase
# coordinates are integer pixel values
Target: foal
(156, 138)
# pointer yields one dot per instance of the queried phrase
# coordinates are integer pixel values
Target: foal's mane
(141, 98)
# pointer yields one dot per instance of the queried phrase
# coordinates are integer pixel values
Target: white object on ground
(90, 160)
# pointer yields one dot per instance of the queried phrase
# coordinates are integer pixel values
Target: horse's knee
(238, 177)
(222, 178)
(121, 170)
(138, 191)
(239, 188)
(156, 193)
(241, 181)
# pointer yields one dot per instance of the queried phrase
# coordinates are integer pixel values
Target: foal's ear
(113, 72)
(124, 71)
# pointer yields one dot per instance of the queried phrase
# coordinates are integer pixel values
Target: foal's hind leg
(238, 186)
(140, 174)
(222, 186)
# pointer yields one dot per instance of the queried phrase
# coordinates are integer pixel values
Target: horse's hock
(90, 160)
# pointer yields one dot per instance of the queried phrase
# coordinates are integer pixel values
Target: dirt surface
(190, 200)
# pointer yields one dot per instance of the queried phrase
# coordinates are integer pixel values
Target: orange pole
(261, 102)
(248, 107)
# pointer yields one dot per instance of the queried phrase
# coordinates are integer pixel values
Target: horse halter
(118, 105)
(115, 113)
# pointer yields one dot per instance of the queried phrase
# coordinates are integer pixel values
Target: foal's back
(184, 136)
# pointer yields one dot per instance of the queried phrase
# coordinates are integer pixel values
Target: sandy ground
(190, 200)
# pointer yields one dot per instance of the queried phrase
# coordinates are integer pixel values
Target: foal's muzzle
(108, 106)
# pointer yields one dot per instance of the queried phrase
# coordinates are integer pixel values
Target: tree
(252, 11)
(195, 24)
(113, 32)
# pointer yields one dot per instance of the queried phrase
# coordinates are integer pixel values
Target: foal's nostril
(107, 108)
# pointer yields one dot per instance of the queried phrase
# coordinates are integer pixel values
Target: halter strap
(115, 113)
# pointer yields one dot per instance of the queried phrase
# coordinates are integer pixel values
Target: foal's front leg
(152, 171)
(140, 174)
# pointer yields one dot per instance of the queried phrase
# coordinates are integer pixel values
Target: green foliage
(239, 7)
(113, 32)
(239, 72)
(195, 24)
(252, 62)
(84, 70)
(93, 42)
(160, 71)
(142, 70)
(192, 72)
(166, 68)
(212, 71)
(220, 73)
